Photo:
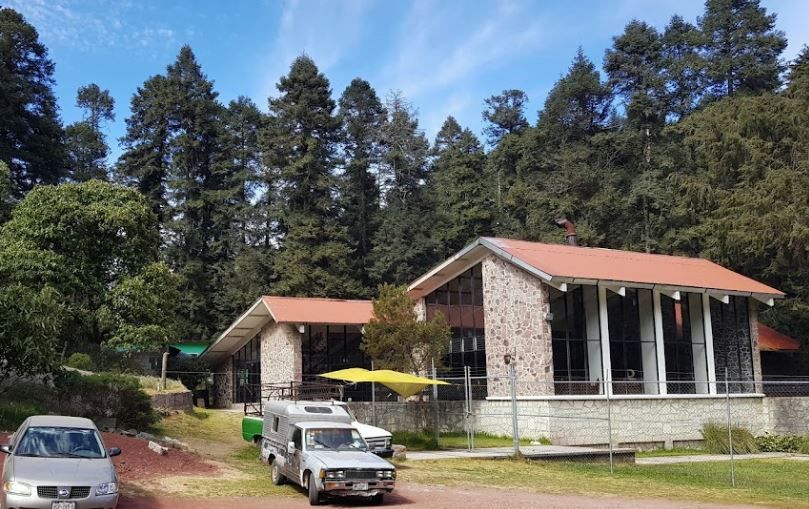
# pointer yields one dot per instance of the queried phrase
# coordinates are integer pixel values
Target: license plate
(361, 486)
(63, 505)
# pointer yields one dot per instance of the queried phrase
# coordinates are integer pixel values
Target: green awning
(192, 349)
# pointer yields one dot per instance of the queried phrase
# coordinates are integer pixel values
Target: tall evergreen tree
(742, 47)
(683, 66)
(504, 114)
(402, 246)
(30, 131)
(87, 149)
(147, 143)
(578, 104)
(460, 188)
(299, 148)
(362, 115)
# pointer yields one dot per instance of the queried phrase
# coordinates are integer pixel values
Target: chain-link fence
(659, 424)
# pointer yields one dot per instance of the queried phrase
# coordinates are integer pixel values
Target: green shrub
(13, 413)
(80, 361)
(716, 439)
(416, 440)
(104, 395)
(779, 443)
(803, 447)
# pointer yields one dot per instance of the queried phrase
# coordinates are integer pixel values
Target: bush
(803, 447)
(80, 361)
(779, 443)
(716, 439)
(416, 440)
(104, 395)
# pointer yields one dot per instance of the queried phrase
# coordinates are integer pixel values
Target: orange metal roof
(319, 310)
(588, 263)
(770, 340)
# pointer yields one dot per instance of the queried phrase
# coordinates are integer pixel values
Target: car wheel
(277, 477)
(314, 495)
(378, 499)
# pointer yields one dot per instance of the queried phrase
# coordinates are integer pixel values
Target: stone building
(573, 320)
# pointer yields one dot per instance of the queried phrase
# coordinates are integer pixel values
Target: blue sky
(446, 56)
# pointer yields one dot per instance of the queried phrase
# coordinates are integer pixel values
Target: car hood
(62, 471)
(350, 459)
(370, 431)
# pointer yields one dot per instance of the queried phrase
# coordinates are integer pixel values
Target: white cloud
(439, 46)
(90, 25)
(325, 30)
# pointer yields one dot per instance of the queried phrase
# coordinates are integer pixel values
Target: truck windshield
(335, 438)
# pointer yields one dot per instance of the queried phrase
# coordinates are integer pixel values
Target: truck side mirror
(291, 447)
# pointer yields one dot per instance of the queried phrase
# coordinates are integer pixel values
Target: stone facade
(281, 360)
(641, 422)
(515, 305)
(222, 389)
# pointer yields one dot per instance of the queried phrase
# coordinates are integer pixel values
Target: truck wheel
(378, 499)
(277, 477)
(314, 495)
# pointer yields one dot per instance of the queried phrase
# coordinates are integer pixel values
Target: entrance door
(247, 382)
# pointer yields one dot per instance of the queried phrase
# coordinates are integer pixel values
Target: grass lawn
(425, 440)
(775, 483)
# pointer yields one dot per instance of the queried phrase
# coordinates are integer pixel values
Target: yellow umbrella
(403, 384)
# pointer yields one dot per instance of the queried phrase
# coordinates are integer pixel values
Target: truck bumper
(346, 488)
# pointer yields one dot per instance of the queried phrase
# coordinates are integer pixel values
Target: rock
(157, 448)
(174, 443)
(146, 436)
(130, 432)
(399, 452)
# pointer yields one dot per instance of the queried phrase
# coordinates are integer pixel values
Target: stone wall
(172, 401)
(515, 304)
(641, 422)
(222, 390)
(281, 360)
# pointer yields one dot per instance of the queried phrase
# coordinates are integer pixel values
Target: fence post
(730, 433)
(609, 425)
(436, 424)
(466, 408)
(470, 422)
(512, 375)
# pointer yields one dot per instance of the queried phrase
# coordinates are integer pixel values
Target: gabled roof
(294, 310)
(770, 340)
(560, 264)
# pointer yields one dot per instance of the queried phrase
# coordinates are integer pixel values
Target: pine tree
(362, 116)
(402, 246)
(742, 47)
(299, 148)
(683, 66)
(31, 134)
(460, 188)
(147, 142)
(87, 149)
(504, 114)
(578, 104)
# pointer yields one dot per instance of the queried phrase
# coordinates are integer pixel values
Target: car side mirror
(5, 448)
(291, 447)
(114, 451)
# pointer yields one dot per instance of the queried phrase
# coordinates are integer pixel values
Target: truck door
(294, 457)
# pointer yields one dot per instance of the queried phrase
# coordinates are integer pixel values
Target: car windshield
(58, 442)
(335, 438)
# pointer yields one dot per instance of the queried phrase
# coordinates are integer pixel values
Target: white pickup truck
(315, 445)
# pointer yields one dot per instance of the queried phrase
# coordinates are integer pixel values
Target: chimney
(570, 230)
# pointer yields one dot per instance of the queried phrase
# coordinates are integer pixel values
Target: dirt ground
(414, 496)
(137, 462)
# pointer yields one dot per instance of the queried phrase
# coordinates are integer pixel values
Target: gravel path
(416, 496)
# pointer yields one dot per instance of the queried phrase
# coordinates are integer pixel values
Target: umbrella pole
(373, 397)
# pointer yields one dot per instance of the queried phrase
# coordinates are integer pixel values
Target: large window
(461, 302)
(684, 344)
(247, 372)
(732, 344)
(632, 342)
(327, 348)
(576, 340)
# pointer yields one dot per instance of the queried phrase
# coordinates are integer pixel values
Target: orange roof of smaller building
(319, 310)
(770, 340)
(590, 263)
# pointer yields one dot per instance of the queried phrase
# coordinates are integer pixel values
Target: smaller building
(280, 340)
